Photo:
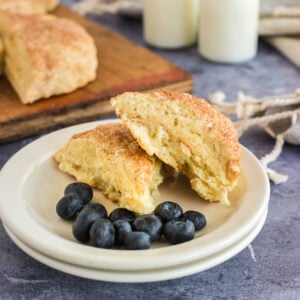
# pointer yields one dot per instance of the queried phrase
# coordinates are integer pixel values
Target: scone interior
(109, 159)
(188, 134)
(46, 55)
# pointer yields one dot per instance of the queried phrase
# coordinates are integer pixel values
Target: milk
(170, 24)
(228, 30)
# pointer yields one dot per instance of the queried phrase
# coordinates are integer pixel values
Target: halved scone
(28, 7)
(46, 55)
(188, 134)
(110, 159)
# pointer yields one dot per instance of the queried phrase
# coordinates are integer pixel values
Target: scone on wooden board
(46, 55)
(28, 7)
(109, 159)
(186, 133)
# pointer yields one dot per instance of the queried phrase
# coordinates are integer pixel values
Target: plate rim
(167, 273)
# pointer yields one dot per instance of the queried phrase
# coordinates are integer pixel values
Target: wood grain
(123, 66)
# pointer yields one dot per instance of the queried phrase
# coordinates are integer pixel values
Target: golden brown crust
(46, 55)
(108, 158)
(46, 50)
(116, 141)
(28, 7)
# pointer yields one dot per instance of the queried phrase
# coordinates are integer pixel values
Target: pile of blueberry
(122, 227)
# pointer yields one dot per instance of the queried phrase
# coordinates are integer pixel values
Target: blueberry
(84, 191)
(97, 207)
(88, 215)
(150, 224)
(196, 217)
(179, 231)
(68, 206)
(102, 233)
(123, 214)
(122, 227)
(168, 210)
(137, 240)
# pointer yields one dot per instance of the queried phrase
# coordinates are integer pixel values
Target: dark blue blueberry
(68, 206)
(102, 233)
(137, 240)
(168, 210)
(179, 231)
(84, 191)
(97, 207)
(150, 224)
(88, 215)
(196, 217)
(122, 214)
(122, 227)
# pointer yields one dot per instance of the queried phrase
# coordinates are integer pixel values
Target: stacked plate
(33, 184)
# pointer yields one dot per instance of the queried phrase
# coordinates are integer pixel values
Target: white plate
(158, 274)
(31, 185)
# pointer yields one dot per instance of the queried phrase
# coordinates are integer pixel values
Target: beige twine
(250, 112)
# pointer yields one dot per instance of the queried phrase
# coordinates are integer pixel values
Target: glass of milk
(228, 30)
(170, 24)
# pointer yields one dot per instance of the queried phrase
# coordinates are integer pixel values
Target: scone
(188, 134)
(109, 159)
(46, 55)
(28, 7)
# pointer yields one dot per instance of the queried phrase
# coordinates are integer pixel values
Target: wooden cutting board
(123, 66)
